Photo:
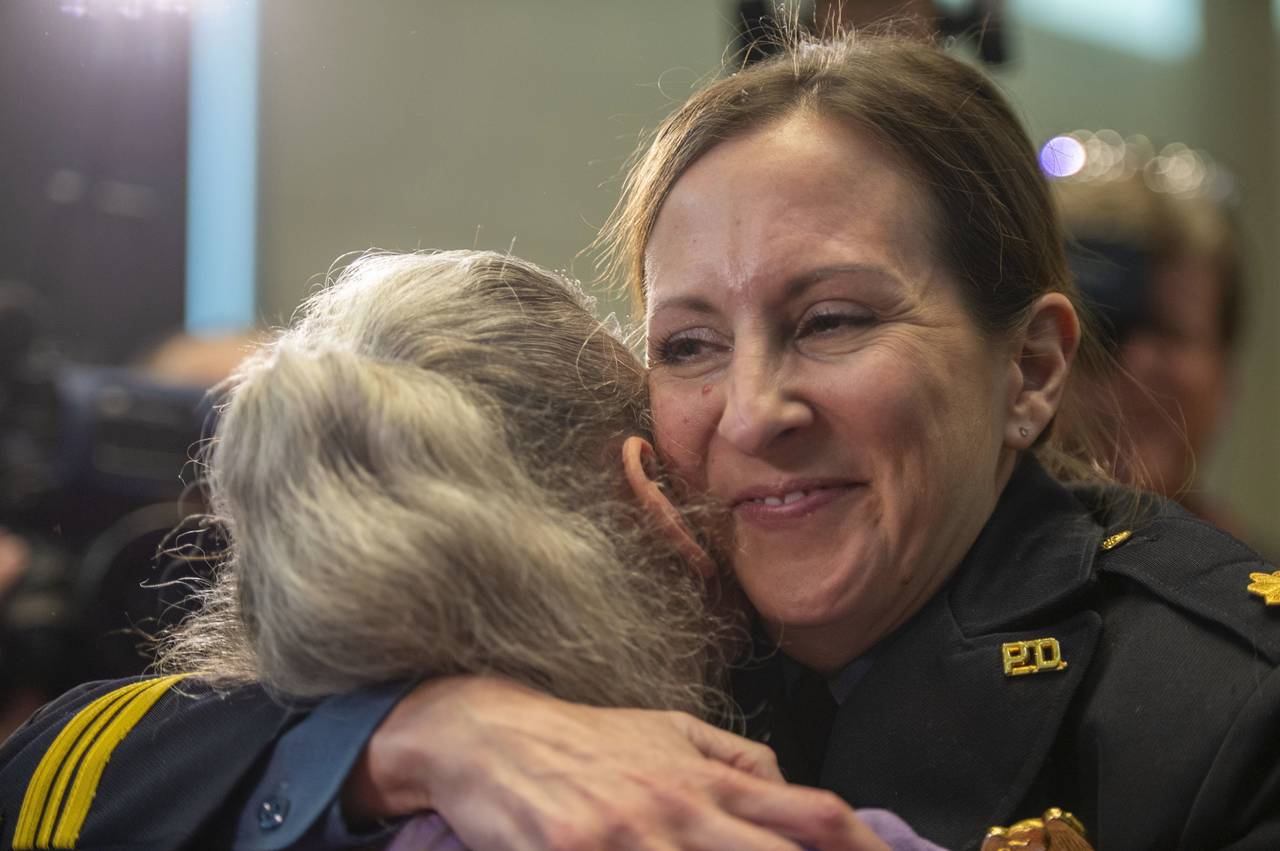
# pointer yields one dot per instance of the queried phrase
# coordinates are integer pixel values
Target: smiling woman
(858, 422)
(861, 333)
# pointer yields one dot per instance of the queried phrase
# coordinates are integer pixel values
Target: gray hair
(422, 477)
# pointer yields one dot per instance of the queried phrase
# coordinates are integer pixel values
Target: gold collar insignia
(1266, 586)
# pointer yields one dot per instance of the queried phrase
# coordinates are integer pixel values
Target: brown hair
(996, 227)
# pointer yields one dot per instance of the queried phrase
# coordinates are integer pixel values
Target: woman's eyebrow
(691, 303)
(794, 288)
(797, 286)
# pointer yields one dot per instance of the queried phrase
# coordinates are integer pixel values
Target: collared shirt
(841, 683)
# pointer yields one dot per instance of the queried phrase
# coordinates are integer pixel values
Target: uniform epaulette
(60, 791)
(1199, 568)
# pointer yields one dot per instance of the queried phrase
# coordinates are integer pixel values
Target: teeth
(794, 496)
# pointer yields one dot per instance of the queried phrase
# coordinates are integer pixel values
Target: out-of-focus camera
(91, 479)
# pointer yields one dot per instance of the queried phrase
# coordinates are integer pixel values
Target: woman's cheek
(890, 414)
(683, 423)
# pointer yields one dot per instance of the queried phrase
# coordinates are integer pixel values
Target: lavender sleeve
(896, 833)
(431, 833)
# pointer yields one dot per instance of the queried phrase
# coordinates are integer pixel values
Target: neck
(828, 648)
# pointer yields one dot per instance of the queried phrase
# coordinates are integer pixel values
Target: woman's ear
(640, 463)
(1042, 358)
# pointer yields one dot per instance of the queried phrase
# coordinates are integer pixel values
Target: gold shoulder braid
(1055, 831)
(64, 784)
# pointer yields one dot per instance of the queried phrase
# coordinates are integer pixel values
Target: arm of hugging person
(509, 768)
(291, 800)
(152, 763)
(142, 763)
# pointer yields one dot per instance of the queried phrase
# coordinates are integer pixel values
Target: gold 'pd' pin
(1031, 657)
(1266, 586)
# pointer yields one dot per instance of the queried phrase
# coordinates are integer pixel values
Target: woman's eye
(826, 323)
(681, 349)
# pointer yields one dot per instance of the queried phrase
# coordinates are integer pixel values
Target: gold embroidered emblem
(1031, 657)
(1266, 586)
(1055, 831)
(1112, 541)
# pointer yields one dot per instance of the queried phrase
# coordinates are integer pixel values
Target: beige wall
(407, 123)
(416, 123)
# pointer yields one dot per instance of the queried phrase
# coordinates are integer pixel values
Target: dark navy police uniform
(1084, 656)
(1156, 720)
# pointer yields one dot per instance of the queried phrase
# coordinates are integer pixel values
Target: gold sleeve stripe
(95, 761)
(33, 802)
(43, 799)
(53, 803)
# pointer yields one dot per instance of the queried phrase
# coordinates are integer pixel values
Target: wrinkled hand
(511, 768)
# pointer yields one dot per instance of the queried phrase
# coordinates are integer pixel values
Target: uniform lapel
(936, 731)
(938, 734)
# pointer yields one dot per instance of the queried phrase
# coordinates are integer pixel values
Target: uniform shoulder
(1194, 566)
(88, 768)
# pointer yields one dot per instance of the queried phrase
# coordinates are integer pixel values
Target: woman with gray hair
(420, 477)
(443, 468)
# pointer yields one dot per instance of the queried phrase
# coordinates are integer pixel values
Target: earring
(1024, 431)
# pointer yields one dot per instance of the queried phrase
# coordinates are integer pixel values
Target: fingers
(716, 831)
(557, 775)
(689, 826)
(812, 817)
(751, 789)
(743, 754)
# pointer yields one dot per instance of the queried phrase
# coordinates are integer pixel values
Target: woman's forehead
(806, 192)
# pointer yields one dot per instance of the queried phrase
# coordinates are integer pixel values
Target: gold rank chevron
(77, 759)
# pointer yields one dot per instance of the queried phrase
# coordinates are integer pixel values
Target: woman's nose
(761, 404)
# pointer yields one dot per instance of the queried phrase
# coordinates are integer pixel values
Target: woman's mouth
(789, 503)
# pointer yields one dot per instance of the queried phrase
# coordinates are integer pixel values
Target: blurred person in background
(1162, 271)
(196, 360)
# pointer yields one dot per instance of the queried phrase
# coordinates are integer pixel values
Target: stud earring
(1024, 431)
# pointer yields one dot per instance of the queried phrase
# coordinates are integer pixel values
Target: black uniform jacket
(1160, 731)
(142, 763)
(1154, 715)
